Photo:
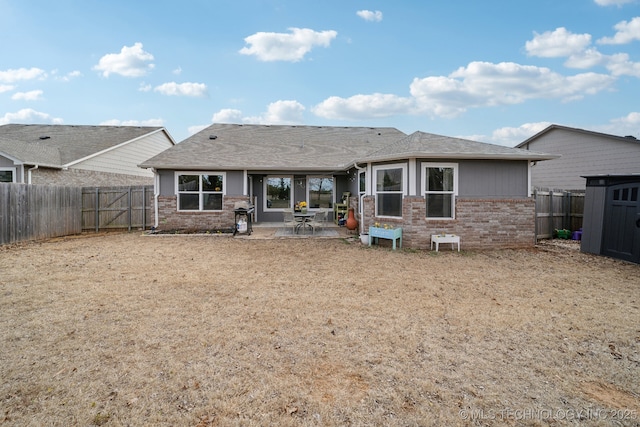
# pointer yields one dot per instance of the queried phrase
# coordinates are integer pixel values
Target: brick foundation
(171, 219)
(480, 223)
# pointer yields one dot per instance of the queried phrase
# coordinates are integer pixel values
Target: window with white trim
(390, 188)
(7, 174)
(200, 191)
(278, 192)
(440, 184)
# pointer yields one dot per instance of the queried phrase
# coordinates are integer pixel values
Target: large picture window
(390, 184)
(200, 191)
(440, 189)
(320, 192)
(278, 192)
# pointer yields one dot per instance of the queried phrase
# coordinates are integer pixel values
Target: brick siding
(171, 219)
(480, 223)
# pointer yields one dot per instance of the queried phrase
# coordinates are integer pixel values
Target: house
(79, 155)
(423, 183)
(582, 153)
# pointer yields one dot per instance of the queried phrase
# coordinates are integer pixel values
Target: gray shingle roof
(60, 145)
(548, 129)
(262, 147)
(428, 145)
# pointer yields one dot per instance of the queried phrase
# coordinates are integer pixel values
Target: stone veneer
(480, 223)
(171, 219)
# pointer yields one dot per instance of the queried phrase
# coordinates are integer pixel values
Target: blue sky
(495, 71)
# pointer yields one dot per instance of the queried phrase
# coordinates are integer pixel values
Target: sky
(495, 71)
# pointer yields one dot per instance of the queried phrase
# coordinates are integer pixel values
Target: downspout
(29, 174)
(360, 169)
(156, 186)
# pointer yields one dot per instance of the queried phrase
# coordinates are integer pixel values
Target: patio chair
(290, 221)
(318, 221)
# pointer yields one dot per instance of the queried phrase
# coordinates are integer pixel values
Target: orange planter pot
(352, 222)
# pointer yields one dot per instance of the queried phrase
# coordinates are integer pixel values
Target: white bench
(445, 238)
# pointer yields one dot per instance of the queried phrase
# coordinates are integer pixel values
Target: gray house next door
(622, 223)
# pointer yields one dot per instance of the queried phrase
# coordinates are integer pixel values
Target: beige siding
(125, 158)
(582, 154)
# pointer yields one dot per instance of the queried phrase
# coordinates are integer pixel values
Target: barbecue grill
(242, 221)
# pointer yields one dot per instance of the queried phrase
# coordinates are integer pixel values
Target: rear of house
(422, 183)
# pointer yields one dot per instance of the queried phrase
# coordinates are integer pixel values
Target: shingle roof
(428, 145)
(262, 147)
(548, 129)
(60, 145)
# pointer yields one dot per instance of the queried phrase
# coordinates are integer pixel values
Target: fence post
(130, 207)
(144, 208)
(97, 209)
(551, 216)
(535, 216)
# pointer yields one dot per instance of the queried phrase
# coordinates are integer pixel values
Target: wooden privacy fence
(32, 212)
(116, 207)
(558, 210)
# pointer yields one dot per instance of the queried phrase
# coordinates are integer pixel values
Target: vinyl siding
(126, 158)
(493, 179)
(582, 154)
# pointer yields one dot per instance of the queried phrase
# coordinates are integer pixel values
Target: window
(440, 188)
(200, 191)
(7, 174)
(390, 184)
(320, 192)
(278, 192)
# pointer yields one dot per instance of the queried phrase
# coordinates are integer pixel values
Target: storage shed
(611, 224)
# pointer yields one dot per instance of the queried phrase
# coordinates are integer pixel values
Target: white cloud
(130, 62)
(623, 126)
(177, 71)
(227, 115)
(479, 84)
(360, 107)
(613, 2)
(512, 136)
(557, 43)
(182, 89)
(620, 65)
(586, 59)
(33, 95)
(482, 84)
(286, 47)
(627, 32)
(12, 76)
(144, 87)
(6, 88)
(71, 75)
(369, 15)
(28, 115)
(281, 113)
(148, 122)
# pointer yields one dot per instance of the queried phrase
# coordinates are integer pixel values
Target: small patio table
(304, 219)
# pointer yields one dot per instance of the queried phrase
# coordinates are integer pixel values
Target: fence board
(556, 210)
(32, 212)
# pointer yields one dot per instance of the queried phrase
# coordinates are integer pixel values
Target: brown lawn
(133, 330)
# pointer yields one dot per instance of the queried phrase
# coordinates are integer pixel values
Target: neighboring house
(582, 153)
(424, 183)
(79, 155)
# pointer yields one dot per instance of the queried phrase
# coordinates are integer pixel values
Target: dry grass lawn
(133, 330)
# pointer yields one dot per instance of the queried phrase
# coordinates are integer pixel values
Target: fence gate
(116, 207)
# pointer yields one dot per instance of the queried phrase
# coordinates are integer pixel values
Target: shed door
(622, 223)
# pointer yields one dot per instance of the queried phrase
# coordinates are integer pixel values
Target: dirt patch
(125, 329)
